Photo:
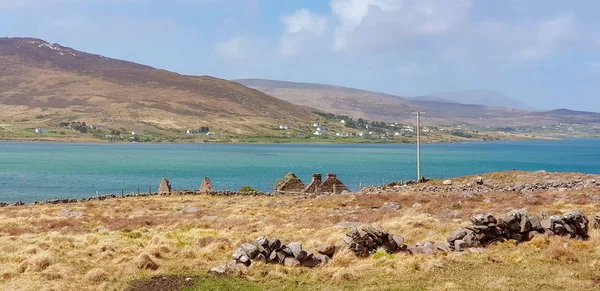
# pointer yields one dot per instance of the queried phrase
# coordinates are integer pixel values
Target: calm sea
(41, 171)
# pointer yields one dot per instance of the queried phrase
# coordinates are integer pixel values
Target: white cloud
(300, 28)
(373, 24)
(231, 49)
(548, 36)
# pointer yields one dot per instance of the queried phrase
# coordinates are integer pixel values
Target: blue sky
(543, 52)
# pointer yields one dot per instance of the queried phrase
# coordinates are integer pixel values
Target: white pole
(418, 147)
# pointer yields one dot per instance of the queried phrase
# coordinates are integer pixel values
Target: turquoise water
(41, 171)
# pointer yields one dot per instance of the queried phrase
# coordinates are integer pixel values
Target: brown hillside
(39, 78)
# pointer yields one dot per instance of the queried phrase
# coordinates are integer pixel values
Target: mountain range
(441, 109)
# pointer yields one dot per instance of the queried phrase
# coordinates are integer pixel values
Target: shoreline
(278, 141)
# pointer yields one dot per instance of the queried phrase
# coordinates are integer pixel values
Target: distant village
(326, 127)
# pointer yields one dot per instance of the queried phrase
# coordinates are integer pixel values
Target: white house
(360, 134)
(41, 130)
(284, 127)
(343, 121)
(192, 131)
(318, 133)
(138, 133)
(97, 127)
(321, 128)
(398, 134)
(211, 134)
(338, 134)
(316, 125)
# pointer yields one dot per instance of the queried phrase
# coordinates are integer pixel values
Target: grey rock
(238, 254)
(323, 258)
(460, 245)
(260, 258)
(250, 250)
(441, 247)
(535, 223)
(275, 244)
(457, 235)
(296, 248)
(399, 240)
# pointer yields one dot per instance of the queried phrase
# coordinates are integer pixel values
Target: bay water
(38, 171)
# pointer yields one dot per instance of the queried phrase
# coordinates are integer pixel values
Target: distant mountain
(58, 83)
(479, 97)
(358, 103)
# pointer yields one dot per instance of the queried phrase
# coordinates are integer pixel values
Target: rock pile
(206, 186)
(273, 251)
(479, 185)
(366, 240)
(516, 225)
(165, 187)
(572, 224)
(290, 184)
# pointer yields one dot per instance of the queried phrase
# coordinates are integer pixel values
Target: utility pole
(419, 177)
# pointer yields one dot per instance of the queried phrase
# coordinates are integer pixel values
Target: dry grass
(40, 249)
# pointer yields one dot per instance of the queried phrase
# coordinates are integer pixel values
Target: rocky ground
(390, 240)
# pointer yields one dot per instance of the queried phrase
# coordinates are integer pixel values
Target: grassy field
(96, 245)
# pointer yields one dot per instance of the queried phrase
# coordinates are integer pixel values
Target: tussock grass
(40, 249)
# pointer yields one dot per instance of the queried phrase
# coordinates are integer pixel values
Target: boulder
(296, 250)
(327, 250)
(164, 187)
(447, 182)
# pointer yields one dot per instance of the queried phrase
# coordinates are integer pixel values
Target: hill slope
(481, 97)
(58, 83)
(440, 111)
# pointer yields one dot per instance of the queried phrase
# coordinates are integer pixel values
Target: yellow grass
(40, 249)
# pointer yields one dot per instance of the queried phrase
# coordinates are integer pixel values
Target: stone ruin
(516, 225)
(290, 184)
(206, 186)
(332, 185)
(273, 251)
(316, 181)
(165, 187)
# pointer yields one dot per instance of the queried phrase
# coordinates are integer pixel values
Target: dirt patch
(163, 283)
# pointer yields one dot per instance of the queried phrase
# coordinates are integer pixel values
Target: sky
(543, 52)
